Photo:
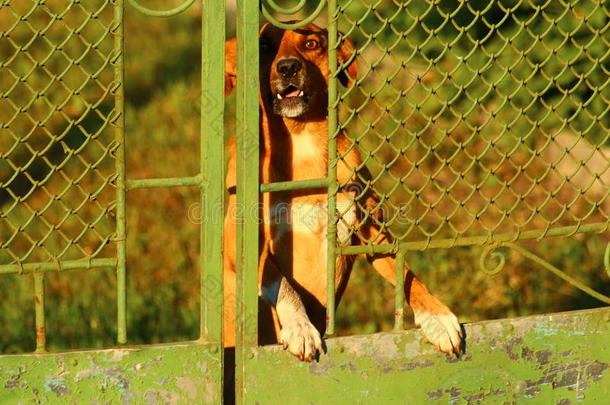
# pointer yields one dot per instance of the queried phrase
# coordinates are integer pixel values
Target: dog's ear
(346, 50)
(230, 65)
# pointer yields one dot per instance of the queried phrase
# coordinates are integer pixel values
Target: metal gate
(481, 124)
(63, 190)
(464, 147)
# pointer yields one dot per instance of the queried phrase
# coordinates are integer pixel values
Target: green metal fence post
(333, 217)
(119, 126)
(212, 177)
(247, 111)
(212, 169)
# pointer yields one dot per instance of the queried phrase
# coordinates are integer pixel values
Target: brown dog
(293, 128)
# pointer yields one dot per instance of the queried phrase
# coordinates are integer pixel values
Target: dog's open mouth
(290, 102)
(290, 92)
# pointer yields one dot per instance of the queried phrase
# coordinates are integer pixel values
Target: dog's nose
(288, 67)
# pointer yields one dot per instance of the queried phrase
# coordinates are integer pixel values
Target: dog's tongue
(293, 93)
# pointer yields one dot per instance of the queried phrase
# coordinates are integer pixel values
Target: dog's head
(294, 69)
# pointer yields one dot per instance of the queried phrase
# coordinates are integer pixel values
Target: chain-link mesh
(479, 118)
(57, 107)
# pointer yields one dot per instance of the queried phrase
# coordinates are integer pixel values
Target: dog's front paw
(442, 330)
(301, 338)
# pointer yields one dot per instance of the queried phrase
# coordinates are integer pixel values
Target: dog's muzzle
(289, 97)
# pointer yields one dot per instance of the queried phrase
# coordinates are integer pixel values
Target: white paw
(443, 331)
(301, 338)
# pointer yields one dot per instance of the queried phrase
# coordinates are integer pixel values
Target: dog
(294, 76)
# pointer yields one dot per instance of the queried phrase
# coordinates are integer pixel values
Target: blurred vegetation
(162, 74)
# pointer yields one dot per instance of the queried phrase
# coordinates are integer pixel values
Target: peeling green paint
(546, 359)
(168, 374)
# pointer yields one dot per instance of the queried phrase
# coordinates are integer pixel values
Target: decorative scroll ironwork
(501, 258)
(497, 256)
(161, 13)
(270, 6)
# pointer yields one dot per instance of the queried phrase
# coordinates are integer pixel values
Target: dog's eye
(311, 44)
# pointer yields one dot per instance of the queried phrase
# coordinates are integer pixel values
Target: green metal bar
(333, 187)
(546, 265)
(119, 125)
(247, 115)
(212, 163)
(399, 292)
(597, 227)
(57, 266)
(293, 185)
(41, 331)
(134, 184)
(212, 167)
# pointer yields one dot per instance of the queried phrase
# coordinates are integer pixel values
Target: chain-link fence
(63, 179)
(480, 123)
(58, 143)
(481, 119)
(61, 142)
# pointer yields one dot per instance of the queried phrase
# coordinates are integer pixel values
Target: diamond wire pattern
(57, 142)
(478, 118)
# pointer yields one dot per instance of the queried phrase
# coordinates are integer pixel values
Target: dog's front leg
(439, 324)
(297, 335)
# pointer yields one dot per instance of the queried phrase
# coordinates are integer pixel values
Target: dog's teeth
(279, 96)
(301, 93)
